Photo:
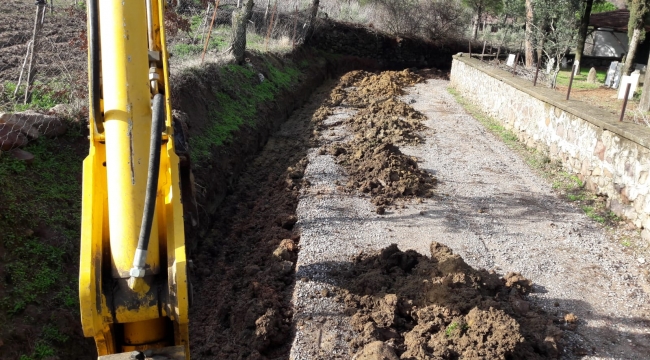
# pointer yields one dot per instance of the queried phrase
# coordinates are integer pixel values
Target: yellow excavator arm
(133, 281)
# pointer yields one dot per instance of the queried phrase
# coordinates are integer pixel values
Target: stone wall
(612, 158)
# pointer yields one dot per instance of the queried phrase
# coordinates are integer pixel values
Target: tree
(480, 8)
(240, 18)
(644, 104)
(312, 19)
(636, 30)
(582, 31)
(529, 33)
(553, 31)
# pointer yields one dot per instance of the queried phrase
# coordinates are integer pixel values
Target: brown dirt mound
(441, 308)
(370, 87)
(384, 172)
(374, 164)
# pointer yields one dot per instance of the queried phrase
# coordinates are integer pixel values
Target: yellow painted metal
(178, 306)
(127, 123)
(144, 332)
(115, 175)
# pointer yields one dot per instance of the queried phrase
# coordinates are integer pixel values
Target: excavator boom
(133, 283)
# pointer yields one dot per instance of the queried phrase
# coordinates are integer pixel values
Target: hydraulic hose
(93, 44)
(157, 126)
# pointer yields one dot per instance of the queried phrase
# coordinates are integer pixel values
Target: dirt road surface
(490, 208)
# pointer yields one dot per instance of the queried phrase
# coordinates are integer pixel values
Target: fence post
(627, 93)
(38, 25)
(483, 51)
(570, 81)
(207, 39)
(539, 61)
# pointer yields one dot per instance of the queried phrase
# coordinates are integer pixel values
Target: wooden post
(627, 93)
(33, 56)
(207, 40)
(539, 61)
(268, 32)
(570, 81)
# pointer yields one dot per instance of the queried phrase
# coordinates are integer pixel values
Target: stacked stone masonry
(611, 158)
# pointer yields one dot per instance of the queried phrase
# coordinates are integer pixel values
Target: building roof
(616, 20)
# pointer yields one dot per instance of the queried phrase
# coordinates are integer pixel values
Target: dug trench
(400, 303)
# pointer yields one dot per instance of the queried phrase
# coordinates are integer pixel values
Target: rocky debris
(440, 308)
(16, 129)
(517, 281)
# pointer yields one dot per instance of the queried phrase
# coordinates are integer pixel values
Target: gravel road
(490, 208)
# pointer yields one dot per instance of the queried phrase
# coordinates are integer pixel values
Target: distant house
(608, 36)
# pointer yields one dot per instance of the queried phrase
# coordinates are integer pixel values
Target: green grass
(237, 101)
(568, 185)
(580, 81)
(40, 211)
(218, 41)
(43, 97)
(451, 328)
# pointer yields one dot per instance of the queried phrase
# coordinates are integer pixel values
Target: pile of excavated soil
(441, 308)
(373, 162)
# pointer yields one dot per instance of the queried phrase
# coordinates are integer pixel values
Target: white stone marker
(632, 79)
(511, 60)
(611, 73)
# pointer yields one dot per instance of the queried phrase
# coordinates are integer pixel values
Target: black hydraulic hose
(93, 51)
(157, 126)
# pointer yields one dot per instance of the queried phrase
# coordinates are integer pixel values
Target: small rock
(289, 221)
(281, 253)
(381, 210)
(325, 293)
(570, 318)
(287, 267)
(376, 350)
(11, 138)
(641, 260)
(304, 279)
(23, 155)
(645, 234)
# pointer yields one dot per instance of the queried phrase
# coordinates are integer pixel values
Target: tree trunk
(644, 104)
(475, 27)
(582, 32)
(33, 56)
(240, 18)
(312, 19)
(529, 29)
(266, 11)
(631, 51)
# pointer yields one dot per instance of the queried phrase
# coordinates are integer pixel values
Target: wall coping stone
(603, 119)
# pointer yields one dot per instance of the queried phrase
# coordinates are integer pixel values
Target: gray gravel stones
(490, 208)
